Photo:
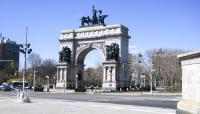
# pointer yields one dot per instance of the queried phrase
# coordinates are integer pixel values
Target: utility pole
(25, 49)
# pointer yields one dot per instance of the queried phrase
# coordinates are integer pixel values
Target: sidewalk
(61, 91)
(116, 93)
(50, 106)
(142, 93)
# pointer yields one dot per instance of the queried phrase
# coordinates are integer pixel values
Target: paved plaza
(55, 106)
(97, 103)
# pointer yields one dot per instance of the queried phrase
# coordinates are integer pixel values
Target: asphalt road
(161, 101)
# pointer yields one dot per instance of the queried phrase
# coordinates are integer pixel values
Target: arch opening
(92, 69)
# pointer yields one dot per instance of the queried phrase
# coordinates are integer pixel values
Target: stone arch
(85, 39)
(84, 50)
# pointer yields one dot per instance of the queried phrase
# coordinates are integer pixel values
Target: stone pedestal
(190, 103)
(113, 76)
(63, 72)
(110, 74)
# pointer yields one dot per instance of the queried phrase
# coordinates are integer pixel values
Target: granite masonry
(190, 103)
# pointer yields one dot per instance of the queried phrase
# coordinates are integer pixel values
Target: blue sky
(153, 24)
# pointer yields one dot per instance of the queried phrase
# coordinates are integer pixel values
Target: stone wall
(190, 103)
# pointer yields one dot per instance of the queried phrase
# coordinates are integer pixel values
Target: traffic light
(139, 58)
(28, 45)
(21, 50)
(21, 46)
(29, 51)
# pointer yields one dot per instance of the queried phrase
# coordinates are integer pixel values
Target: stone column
(63, 71)
(60, 74)
(106, 75)
(111, 74)
(65, 74)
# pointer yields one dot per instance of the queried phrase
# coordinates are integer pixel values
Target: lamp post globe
(47, 84)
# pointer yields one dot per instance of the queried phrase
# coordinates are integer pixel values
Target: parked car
(18, 87)
(38, 87)
(5, 87)
(29, 87)
(1, 87)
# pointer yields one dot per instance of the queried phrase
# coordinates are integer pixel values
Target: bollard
(18, 94)
(21, 95)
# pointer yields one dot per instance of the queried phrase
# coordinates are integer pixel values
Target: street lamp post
(25, 49)
(34, 82)
(152, 70)
(47, 87)
(151, 83)
(54, 82)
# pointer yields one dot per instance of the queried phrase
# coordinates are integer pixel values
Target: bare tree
(99, 75)
(132, 68)
(167, 69)
(34, 60)
(93, 76)
(48, 68)
(34, 63)
(89, 76)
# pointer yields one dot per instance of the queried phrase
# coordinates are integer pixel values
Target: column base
(188, 107)
(182, 112)
(109, 86)
(61, 85)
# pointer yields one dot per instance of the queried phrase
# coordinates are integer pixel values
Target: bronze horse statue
(86, 20)
(101, 18)
(95, 20)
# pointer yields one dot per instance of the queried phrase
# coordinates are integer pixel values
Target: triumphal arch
(110, 40)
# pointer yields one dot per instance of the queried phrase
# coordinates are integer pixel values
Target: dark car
(38, 87)
(5, 87)
(18, 87)
(29, 87)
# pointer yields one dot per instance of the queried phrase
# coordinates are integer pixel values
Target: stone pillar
(113, 73)
(105, 74)
(58, 76)
(61, 74)
(190, 102)
(110, 74)
(110, 82)
(65, 74)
